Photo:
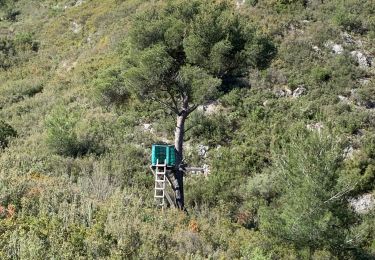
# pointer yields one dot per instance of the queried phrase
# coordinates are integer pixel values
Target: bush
(15, 91)
(320, 74)
(11, 15)
(348, 21)
(110, 86)
(75, 134)
(310, 211)
(61, 135)
(6, 132)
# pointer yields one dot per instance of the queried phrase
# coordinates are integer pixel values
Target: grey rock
(361, 58)
(344, 99)
(239, 3)
(202, 150)
(299, 92)
(148, 127)
(348, 39)
(76, 27)
(206, 169)
(363, 204)
(288, 92)
(315, 126)
(349, 152)
(316, 48)
(210, 108)
(279, 93)
(364, 81)
(337, 48)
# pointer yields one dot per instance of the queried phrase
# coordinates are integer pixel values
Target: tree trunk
(179, 141)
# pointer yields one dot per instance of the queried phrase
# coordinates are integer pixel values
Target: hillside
(288, 147)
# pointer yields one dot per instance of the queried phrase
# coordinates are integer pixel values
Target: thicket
(6, 132)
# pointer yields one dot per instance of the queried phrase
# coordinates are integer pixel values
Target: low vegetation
(288, 137)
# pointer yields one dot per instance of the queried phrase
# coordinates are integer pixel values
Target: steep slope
(287, 154)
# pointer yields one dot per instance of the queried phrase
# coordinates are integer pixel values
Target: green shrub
(110, 86)
(73, 133)
(320, 74)
(15, 91)
(348, 21)
(6, 132)
(11, 14)
(61, 135)
(308, 212)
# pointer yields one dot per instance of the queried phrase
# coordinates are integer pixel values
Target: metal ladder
(160, 179)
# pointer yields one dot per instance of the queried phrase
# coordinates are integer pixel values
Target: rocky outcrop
(210, 108)
(363, 204)
(202, 151)
(334, 47)
(299, 92)
(363, 60)
(286, 92)
(315, 126)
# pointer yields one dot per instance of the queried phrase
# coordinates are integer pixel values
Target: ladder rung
(160, 180)
(159, 196)
(159, 188)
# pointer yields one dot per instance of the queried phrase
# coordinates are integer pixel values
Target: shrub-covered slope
(290, 148)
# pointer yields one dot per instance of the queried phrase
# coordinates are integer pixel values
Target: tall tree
(310, 210)
(179, 54)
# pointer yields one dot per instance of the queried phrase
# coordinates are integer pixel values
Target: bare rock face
(206, 169)
(334, 47)
(362, 59)
(202, 150)
(148, 128)
(283, 92)
(317, 49)
(343, 99)
(76, 27)
(315, 127)
(348, 39)
(299, 92)
(337, 48)
(210, 108)
(363, 204)
(349, 152)
(279, 93)
(240, 3)
(364, 81)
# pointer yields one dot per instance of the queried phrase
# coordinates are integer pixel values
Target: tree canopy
(184, 50)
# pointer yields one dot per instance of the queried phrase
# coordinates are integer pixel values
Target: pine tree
(180, 53)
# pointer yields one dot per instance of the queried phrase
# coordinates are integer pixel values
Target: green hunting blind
(163, 153)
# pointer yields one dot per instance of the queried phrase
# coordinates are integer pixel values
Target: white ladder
(160, 179)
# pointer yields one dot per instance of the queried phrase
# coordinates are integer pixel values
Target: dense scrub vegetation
(290, 144)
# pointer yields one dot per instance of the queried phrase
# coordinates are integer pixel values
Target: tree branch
(191, 127)
(192, 108)
(341, 193)
(173, 100)
(165, 105)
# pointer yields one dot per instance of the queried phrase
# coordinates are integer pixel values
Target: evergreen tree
(310, 211)
(180, 53)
